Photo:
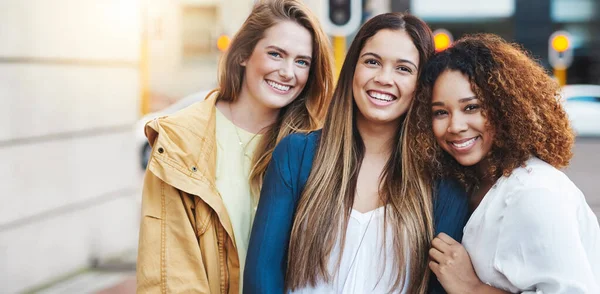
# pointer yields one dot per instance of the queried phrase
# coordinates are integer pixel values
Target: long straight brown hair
(324, 208)
(307, 111)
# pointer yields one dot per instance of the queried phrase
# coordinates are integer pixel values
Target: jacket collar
(184, 153)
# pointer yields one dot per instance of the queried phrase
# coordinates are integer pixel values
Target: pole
(339, 53)
(561, 75)
(143, 66)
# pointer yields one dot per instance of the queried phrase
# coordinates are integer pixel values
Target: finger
(440, 245)
(435, 267)
(436, 255)
(447, 239)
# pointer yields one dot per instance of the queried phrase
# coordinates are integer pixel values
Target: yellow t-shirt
(233, 169)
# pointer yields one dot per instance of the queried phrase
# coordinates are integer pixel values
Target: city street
(585, 172)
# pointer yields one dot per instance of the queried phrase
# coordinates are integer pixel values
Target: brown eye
(439, 113)
(472, 107)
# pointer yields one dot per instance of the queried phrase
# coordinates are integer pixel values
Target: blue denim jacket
(284, 181)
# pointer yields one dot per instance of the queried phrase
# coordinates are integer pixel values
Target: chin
(467, 161)
(276, 101)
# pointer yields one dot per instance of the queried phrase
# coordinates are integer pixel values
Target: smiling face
(459, 125)
(277, 71)
(385, 77)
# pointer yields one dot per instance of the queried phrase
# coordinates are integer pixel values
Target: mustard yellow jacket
(186, 242)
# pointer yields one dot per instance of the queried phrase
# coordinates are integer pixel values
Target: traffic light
(560, 54)
(342, 17)
(560, 43)
(442, 39)
(223, 43)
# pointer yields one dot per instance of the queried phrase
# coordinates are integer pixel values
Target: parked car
(582, 103)
(140, 138)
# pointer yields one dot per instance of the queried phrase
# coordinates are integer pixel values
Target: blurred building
(528, 22)
(69, 88)
(182, 44)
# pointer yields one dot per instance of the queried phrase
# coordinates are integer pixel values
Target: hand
(451, 263)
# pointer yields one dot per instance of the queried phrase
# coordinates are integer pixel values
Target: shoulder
(193, 120)
(293, 155)
(538, 196)
(197, 112)
(294, 146)
(536, 172)
(538, 181)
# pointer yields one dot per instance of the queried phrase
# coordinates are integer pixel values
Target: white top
(366, 275)
(233, 169)
(534, 233)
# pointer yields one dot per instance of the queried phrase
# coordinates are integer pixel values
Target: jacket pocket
(203, 214)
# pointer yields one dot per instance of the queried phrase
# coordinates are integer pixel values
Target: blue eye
(303, 62)
(274, 54)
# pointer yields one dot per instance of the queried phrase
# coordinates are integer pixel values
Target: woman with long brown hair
(209, 160)
(341, 210)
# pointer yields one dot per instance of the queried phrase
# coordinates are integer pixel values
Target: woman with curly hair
(489, 116)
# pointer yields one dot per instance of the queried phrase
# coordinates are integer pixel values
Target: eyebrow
(397, 60)
(461, 100)
(286, 53)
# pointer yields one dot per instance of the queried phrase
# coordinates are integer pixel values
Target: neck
(486, 181)
(378, 138)
(482, 169)
(248, 115)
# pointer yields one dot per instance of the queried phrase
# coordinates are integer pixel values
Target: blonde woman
(341, 210)
(210, 159)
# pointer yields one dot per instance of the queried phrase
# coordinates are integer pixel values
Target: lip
(379, 102)
(278, 91)
(463, 149)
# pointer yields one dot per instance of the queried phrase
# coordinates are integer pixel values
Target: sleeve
(169, 256)
(540, 247)
(450, 209)
(266, 260)
(450, 212)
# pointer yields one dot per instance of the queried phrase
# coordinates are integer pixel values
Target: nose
(286, 71)
(383, 77)
(457, 124)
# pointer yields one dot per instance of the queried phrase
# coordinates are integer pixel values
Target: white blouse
(368, 274)
(534, 233)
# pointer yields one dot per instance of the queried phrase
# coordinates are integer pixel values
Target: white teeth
(381, 96)
(465, 144)
(278, 86)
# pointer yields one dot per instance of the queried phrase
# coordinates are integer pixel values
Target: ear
(244, 62)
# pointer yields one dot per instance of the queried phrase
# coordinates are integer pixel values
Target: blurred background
(79, 78)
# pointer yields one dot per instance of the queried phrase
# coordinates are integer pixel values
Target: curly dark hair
(520, 101)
